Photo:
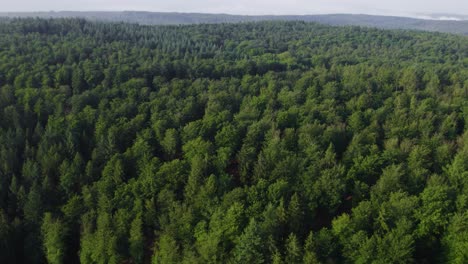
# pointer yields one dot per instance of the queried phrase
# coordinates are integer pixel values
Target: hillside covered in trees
(432, 23)
(266, 142)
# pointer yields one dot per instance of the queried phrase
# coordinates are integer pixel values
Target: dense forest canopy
(268, 142)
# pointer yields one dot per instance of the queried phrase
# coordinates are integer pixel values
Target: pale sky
(249, 7)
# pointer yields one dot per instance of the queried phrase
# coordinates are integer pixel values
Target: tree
(136, 240)
(33, 206)
(434, 214)
(293, 249)
(419, 163)
(397, 246)
(248, 247)
(295, 214)
(77, 80)
(310, 257)
(390, 182)
(63, 76)
(6, 242)
(166, 251)
(54, 234)
(455, 240)
(170, 143)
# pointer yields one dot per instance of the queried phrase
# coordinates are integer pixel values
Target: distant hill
(455, 24)
(445, 16)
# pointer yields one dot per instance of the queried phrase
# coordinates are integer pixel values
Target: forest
(458, 24)
(259, 142)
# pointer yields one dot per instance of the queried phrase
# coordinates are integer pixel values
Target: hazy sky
(388, 7)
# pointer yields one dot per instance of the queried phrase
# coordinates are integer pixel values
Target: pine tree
(249, 246)
(54, 234)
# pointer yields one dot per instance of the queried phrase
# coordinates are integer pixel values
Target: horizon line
(422, 16)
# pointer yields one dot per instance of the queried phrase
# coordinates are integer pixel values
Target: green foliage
(282, 142)
(136, 240)
(248, 248)
(166, 251)
(293, 250)
(54, 233)
(456, 239)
